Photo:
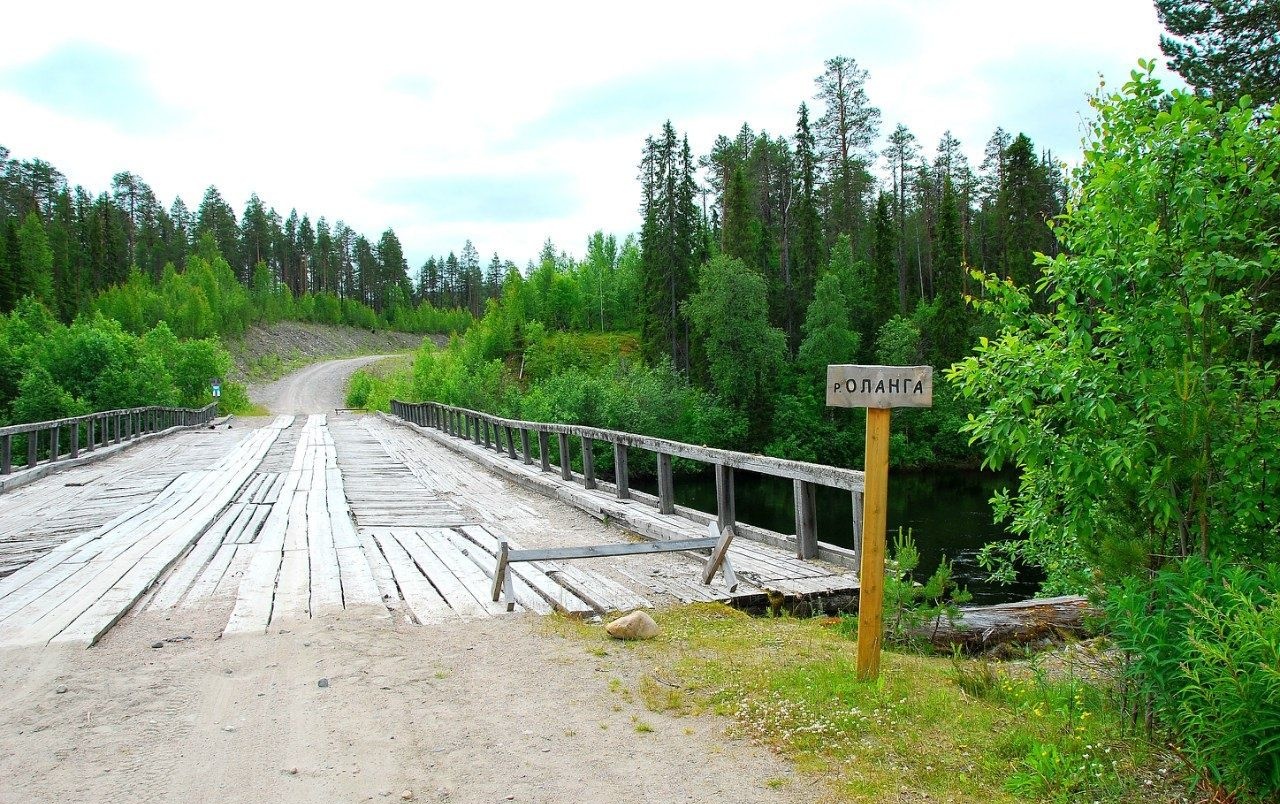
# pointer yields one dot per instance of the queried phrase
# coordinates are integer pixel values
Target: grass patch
(955, 729)
(253, 409)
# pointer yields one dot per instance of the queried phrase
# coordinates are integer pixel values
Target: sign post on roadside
(215, 384)
(878, 389)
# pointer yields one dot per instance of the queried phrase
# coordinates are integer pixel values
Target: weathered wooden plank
(120, 594)
(602, 593)
(177, 584)
(452, 588)
(419, 595)
(718, 554)
(293, 589)
(382, 575)
(604, 550)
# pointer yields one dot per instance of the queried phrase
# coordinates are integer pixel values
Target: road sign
(880, 386)
(216, 385)
(878, 389)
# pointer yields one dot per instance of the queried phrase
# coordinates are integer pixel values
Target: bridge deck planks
(299, 519)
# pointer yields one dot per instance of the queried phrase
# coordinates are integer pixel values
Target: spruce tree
(35, 266)
(949, 333)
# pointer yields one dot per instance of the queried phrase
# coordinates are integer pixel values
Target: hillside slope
(266, 353)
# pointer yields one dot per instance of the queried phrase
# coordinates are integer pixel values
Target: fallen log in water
(981, 628)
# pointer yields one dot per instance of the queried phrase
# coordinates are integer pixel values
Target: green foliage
(52, 371)
(35, 261)
(729, 314)
(911, 607)
(828, 338)
(1203, 647)
(1140, 406)
(1225, 47)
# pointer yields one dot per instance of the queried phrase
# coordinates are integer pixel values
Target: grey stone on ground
(322, 683)
(636, 625)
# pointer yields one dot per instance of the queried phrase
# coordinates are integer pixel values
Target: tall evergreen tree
(949, 334)
(216, 217)
(807, 249)
(901, 155)
(1228, 48)
(35, 266)
(884, 266)
(671, 244)
(845, 131)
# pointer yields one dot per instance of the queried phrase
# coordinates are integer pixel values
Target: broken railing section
(718, 545)
(60, 439)
(516, 439)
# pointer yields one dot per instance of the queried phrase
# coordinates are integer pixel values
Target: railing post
(806, 519)
(566, 460)
(33, 443)
(475, 430)
(666, 485)
(857, 527)
(621, 478)
(6, 455)
(488, 443)
(544, 450)
(726, 506)
(588, 463)
(55, 442)
(511, 442)
(75, 438)
(524, 446)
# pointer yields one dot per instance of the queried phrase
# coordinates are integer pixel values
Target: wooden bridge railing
(489, 430)
(60, 439)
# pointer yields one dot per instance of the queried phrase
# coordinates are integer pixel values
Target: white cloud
(323, 106)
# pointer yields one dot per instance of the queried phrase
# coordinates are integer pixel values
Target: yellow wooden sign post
(878, 389)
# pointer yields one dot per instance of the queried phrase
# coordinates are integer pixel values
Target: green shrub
(1203, 643)
(911, 607)
(358, 388)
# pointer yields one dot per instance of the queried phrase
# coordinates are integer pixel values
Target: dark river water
(948, 514)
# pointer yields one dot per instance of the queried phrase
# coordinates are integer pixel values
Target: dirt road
(318, 388)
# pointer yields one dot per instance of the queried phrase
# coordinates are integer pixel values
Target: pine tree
(1228, 48)
(739, 239)
(392, 283)
(901, 156)
(845, 131)
(9, 261)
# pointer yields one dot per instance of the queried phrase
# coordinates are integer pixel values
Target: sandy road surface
(480, 711)
(318, 388)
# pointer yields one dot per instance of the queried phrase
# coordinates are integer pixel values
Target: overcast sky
(508, 123)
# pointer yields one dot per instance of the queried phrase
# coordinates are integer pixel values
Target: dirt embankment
(266, 353)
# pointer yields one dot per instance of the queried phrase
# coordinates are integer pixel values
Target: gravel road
(318, 388)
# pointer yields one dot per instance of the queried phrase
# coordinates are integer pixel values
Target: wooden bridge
(256, 523)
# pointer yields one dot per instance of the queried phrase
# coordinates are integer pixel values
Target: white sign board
(880, 386)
